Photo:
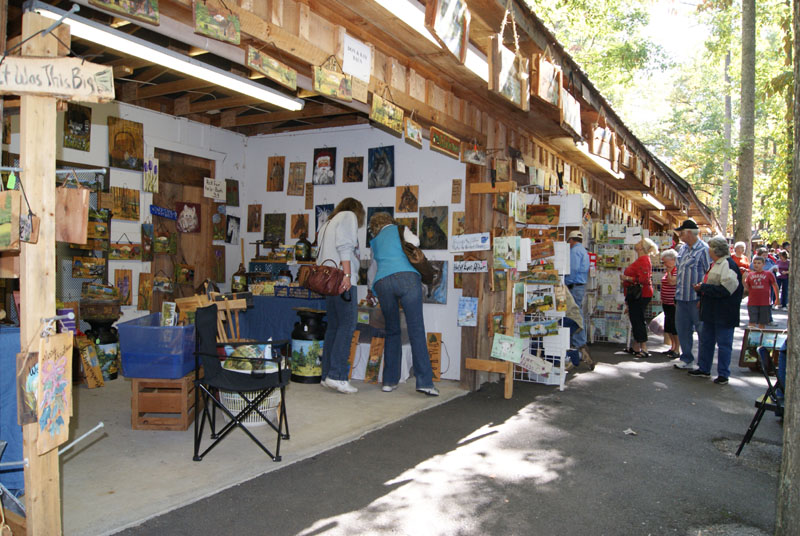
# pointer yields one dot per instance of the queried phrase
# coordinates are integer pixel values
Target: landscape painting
(143, 10)
(220, 24)
(271, 68)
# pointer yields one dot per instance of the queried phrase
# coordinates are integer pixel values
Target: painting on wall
(271, 68)
(218, 223)
(143, 10)
(125, 204)
(220, 24)
(165, 243)
(276, 165)
(411, 223)
(275, 228)
(299, 225)
(147, 242)
(353, 169)
(232, 229)
(374, 210)
(232, 192)
(123, 280)
(433, 228)
(321, 215)
(150, 177)
(145, 294)
(218, 264)
(88, 267)
(189, 215)
(78, 127)
(458, 223)
(436, 292)
(407, 198)
(125, 252)
(448, 21)
(253, 218)
(381, 167)
(297, 178)
(125, 144)
(184, 274)
(324, 166)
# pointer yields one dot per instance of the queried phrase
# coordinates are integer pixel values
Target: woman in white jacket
(338, 241)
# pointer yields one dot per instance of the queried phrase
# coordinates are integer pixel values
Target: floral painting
(54, 395)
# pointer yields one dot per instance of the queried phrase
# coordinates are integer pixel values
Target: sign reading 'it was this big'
(65, 78)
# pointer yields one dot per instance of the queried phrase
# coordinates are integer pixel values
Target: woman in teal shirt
(396, 283)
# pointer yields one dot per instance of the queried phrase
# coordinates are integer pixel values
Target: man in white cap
(693, 263)
(576, 283)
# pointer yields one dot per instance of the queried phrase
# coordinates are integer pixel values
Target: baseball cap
(687, 224)
(575, 234)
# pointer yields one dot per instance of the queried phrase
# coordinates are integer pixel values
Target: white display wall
(432, 171)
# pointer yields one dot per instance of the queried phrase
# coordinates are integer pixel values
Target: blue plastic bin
(150, 350)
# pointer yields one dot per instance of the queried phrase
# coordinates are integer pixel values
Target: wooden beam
(38, 269)
(323, 110)
(217, 104)
(167, 88)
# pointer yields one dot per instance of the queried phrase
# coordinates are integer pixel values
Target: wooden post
(38, 267)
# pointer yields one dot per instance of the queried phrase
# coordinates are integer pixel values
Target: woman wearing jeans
(397, 282)
(338, 239)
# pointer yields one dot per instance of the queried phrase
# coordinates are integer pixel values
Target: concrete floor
(120, 477)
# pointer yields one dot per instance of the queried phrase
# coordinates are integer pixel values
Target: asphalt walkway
(633, 447)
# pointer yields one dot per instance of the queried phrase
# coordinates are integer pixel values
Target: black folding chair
(215, 379)
(768, 402)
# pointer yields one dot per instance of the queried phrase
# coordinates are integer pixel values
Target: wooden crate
(158, 404)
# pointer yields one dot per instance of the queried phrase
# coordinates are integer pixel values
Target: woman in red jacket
(640, 273)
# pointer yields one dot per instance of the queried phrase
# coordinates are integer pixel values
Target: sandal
(641, 355)
(629, 350)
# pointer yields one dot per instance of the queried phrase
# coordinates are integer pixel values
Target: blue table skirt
(274, 317)
(9, 429)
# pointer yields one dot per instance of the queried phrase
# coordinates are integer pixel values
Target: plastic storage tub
(150, 350)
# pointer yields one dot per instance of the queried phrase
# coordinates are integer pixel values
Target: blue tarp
(10, 431)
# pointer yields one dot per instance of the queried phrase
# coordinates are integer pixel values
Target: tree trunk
(744, 208)
(788, 515)
(726, 162)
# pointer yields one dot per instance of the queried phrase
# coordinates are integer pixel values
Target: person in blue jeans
(576, 283)
(782, 368)
(396, 282)
(693, 262)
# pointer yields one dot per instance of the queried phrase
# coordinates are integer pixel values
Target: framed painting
(123, 280)
(448, 21)
(353, 169)
(324, 166)
(189, 216)
(232, 192)
(297, 178)
(125, 144)
(143, 10)
(433, 228)
(413, 132)
(78, 127)
(232, 229)
(387, 114)
(145, 293)
(374, 210)
(436, 292)
(508, 73)
(276, 166)
(271, 68)
(218, 223)
(275, 228)
(407, 198)
(381, 167)
(253, 218)
(299, 225)
(216, 23)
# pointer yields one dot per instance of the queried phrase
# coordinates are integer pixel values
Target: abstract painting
(381, 167)
(324, 166)
(125, 144)
(433, 227)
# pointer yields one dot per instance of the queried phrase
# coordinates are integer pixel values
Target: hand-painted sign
(163, 212)
(67, 78)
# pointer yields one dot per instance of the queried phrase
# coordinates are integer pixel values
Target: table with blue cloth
(10, 431)
(273, 317)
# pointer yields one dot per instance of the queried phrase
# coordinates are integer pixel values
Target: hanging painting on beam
(271, 68)
(219, 24)
(78, 127)
(508, 73)
(334, 84)
(445, 143)
(143, 10)
(546, 80)
(387, 114)
(448, 21)
(125, 144)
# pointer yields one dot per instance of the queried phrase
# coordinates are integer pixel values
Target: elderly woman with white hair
(720, 298)
(669, 258)
(638, 285)
(740, 258)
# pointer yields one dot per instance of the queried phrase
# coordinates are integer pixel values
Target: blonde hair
(648, 247)
(378, 221)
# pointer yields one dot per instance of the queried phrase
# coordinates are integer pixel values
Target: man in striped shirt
(693, 262)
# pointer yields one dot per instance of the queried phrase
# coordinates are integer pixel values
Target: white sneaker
(388, 388)
(683, 365)
(343, 386)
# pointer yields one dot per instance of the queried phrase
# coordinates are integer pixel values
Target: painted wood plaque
(472, 153)
(353, 169)
(70, 79)
(387, 114)
(78, 127)
(125, 252)
(271, 68)
(150, 176)
(123, 280)
(413, 132)
(374, 363)
(254, 218)
(54, 394)
(448, 21)
(297, 178)
(145, 294)
(407, 198)
(216, 23)
(508, 73)
(333, 84)
(445, 143)
(546, 80)
(276, 169)
(125, 144)
(435, 353)
(543, 214)
(143, 10)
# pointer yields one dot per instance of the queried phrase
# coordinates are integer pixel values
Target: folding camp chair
(770, 401)
(253, 388)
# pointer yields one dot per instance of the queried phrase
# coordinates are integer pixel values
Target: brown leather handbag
(417, 258)
(322, 279)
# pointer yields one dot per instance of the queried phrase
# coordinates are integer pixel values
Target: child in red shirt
(757, 284)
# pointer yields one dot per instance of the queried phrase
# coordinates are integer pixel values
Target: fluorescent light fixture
(412, 13)
(653, 201)
(134, 46)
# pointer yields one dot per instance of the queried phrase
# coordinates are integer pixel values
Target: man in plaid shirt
(693, 262)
